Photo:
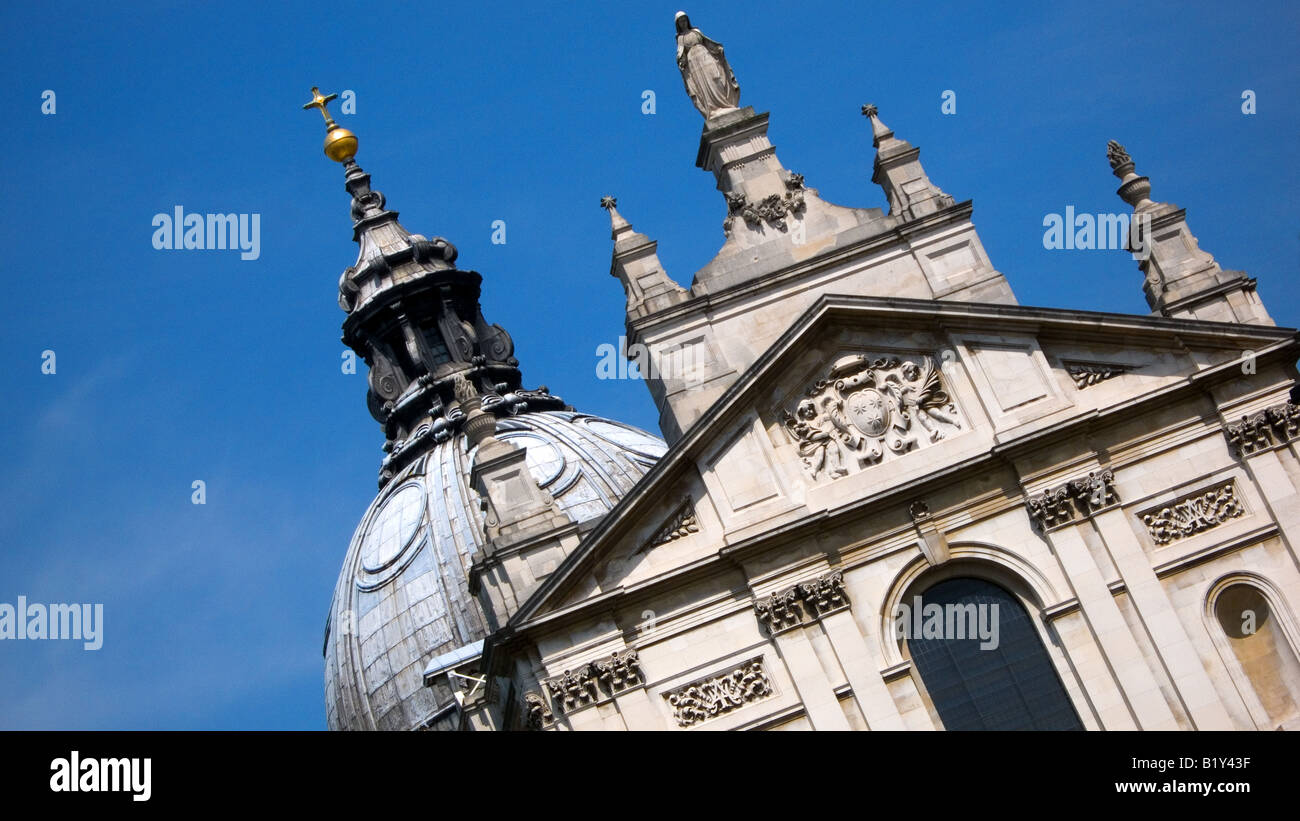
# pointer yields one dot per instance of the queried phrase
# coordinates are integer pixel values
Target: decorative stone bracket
(1276, 425)
(711, 697)
(1193, 514)
(537, 715)
(802, 603)
(933, 544)
(1076, 499)
(575, 689)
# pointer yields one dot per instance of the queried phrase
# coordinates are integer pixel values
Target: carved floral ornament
(1117, 156)
(1193, 514)
(801, 603)
(1272, 426)
(866, 409)
(772, 209)
(574, 689)
(1087, 374)
(680, 524)
(537, 715)
(718, 695)
(1077, 498)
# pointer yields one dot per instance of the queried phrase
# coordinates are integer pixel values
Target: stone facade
(1116, 514)
(868, 413)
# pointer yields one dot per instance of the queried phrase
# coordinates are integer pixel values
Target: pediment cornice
(1267, 342)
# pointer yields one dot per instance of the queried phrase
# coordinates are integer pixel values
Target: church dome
(440, 377)
(402, 597)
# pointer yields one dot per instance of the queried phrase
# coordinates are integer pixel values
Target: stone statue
(709, 81)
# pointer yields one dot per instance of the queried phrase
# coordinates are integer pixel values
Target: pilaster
(1061, 512)
(786, 614)
(1168, 635)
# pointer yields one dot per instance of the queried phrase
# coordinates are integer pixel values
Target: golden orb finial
(340, 144)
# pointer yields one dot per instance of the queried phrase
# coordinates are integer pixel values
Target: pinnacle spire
(897, 170)
(880, 133)
(636, 264)
(1181, 279)
(617, 224)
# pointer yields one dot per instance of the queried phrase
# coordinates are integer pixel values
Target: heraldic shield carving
(868, 408)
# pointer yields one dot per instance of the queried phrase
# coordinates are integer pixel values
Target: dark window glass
(437, 347)
(1012, 686)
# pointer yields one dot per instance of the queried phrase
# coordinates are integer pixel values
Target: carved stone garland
(789, 608)
(1075, 499)
(1193, 515)
(868, 408)
(772, 209)
(1271, 426)
(718, 695)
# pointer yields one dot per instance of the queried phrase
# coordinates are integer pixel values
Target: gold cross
(320, 101)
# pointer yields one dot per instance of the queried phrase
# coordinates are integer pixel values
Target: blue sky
(174, 366)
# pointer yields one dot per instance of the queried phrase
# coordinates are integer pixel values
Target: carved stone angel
(817, 440)
(709, 80)
(925, 399)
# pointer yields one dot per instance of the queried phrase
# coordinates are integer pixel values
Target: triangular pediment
(866, 394)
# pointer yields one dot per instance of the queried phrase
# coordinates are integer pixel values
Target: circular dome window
(393, 528)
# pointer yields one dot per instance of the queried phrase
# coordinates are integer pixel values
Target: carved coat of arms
(866, 408)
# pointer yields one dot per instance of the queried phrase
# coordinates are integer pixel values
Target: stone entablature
(1074, 500)
(1275, 425)
(1193, 514)
(802, 603)
(718, 695)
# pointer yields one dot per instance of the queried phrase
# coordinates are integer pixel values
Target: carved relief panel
(866, 410)
(720, 694)
(1193, 514)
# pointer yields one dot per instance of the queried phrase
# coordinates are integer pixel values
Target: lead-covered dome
(435, 367)
(402, 596)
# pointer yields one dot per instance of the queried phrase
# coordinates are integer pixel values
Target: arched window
(1263, 651)
(982, 661)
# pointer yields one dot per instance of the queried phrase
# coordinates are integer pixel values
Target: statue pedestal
(735, 148)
